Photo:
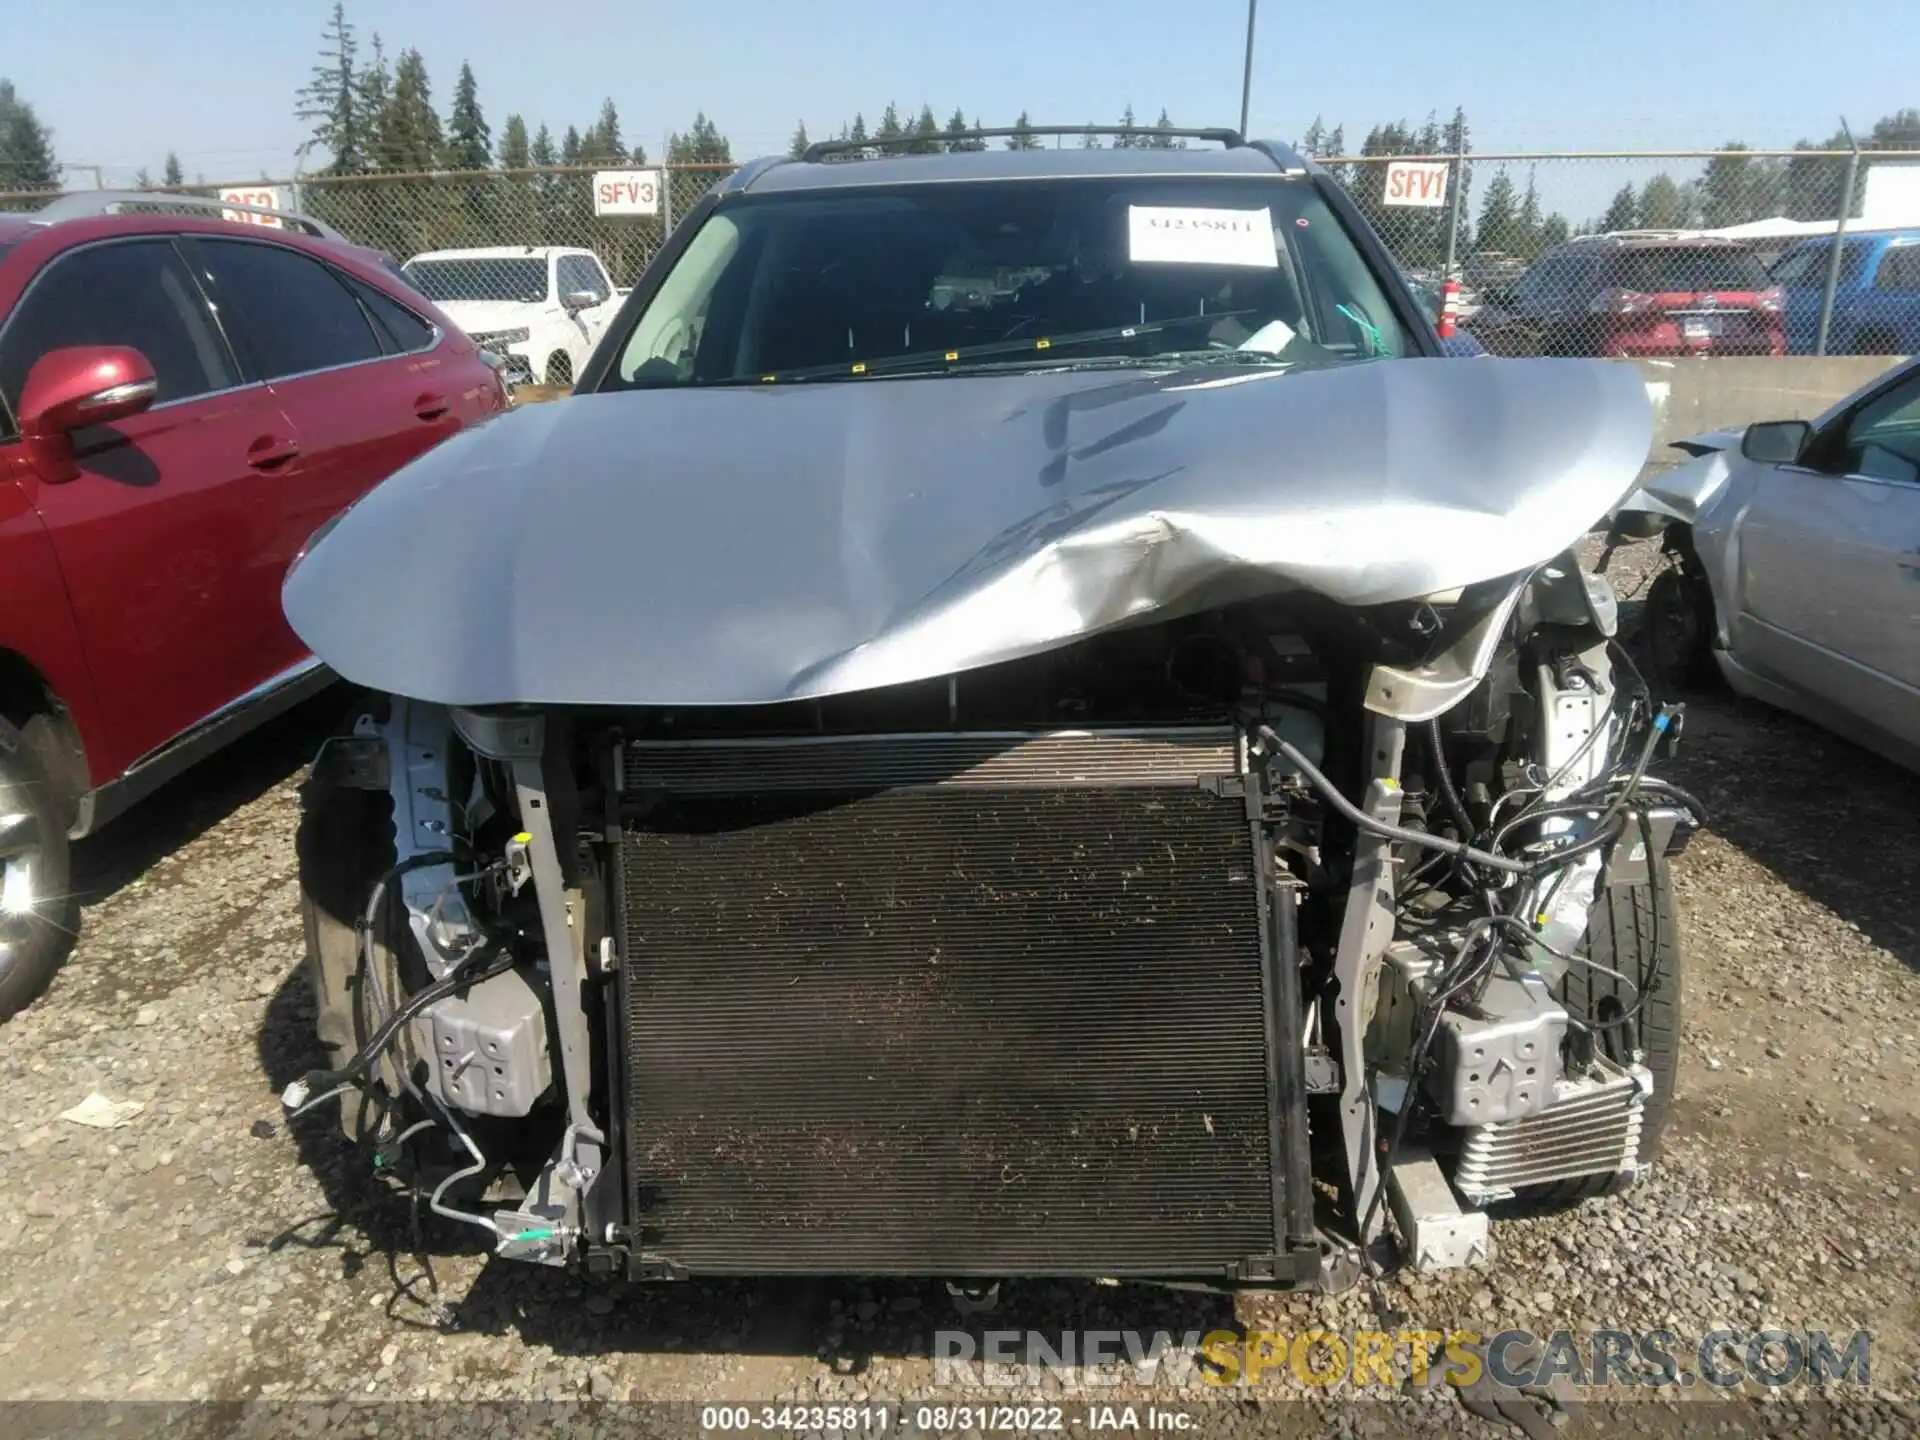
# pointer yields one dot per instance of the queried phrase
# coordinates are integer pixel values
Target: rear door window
(1558, 279)
(131, 292)
(293, 314)
(404, 330)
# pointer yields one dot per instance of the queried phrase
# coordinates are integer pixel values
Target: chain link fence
(1659, 255)
(1672, 253)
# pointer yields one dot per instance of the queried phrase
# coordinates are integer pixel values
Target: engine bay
(1089, 962)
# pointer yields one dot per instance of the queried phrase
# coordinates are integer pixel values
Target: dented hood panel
(744, 546)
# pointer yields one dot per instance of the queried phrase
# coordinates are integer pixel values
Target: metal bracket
(583, 1147)
(1439, 1234)
(354, 762)
(1366, 930)
(415, 739)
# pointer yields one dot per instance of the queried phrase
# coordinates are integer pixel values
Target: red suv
(183, 401)
(1631, 296)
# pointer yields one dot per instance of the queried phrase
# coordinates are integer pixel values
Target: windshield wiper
(1040, 349)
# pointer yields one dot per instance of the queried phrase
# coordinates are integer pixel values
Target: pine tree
(1023, 137)
(410, 132)
(1127, 122)
(1499, 228)
(1663, 204)
(1529, 222)
(926, 133)
(797, 146)
(1164, 140)
(373, 88)
(858, 134)
(542, 151)
(329, 101)
(570, 147)
(142, 180)
(890, 126)
(957, 126)
(170, 172)
(514, 151)
(703, 144)
(469, 141)
(1313, 143)
(1621, 211)
(1089, 141)
(602, 141)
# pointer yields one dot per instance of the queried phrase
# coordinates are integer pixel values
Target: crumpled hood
(751, 545)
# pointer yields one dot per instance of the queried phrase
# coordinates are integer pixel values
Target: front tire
(1678, 625)
(38, 912)
(344, 844)
(560, 370)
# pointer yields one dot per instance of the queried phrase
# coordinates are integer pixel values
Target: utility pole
(1246, 75)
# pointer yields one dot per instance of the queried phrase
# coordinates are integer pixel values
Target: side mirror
(76, 386)
(1776, 442)
(577, 300)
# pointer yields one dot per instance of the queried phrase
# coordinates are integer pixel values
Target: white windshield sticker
(1182, 235)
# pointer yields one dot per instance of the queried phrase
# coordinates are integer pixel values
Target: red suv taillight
(1616, 301)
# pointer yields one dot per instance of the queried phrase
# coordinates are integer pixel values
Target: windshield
(938, 279)
(480, 278)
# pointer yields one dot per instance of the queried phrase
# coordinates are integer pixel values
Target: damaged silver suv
(1019, 720)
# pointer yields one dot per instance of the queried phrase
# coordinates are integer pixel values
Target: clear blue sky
(214, 80)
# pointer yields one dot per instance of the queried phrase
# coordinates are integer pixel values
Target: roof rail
(821, 149)
(80, 204)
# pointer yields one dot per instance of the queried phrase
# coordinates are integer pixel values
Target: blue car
(1876, 304)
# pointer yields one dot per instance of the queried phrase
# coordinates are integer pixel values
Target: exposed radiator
(1591, 1128)
(944, 1005)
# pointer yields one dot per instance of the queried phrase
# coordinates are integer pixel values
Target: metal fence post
(1453, 209)
(666, 202)
(1839, 238)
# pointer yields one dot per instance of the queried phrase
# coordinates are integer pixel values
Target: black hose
(1364, 821)
(467, 972)
(1455, 805)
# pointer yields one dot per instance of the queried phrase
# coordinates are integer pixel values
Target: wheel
(560, 370)
(38, 914)
(1632, 929)
(1678, 626)
(344, 845)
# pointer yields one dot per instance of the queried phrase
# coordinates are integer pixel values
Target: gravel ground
(182, 1257)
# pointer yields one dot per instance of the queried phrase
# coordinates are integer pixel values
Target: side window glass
(577, 272)
(134, 292)
(1899, 269)
(1883, 439)
(293, 315)
(406, 330)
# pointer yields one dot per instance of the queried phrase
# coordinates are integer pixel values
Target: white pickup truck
(541, 309)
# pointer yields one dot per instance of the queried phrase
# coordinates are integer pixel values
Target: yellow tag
(861, 368)
(1043, 344)
(525, 837)
(768, 379)
(952, 355)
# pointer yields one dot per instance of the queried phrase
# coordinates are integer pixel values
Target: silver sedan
(1799, 565)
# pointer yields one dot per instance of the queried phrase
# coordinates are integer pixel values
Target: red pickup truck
(184, 399)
